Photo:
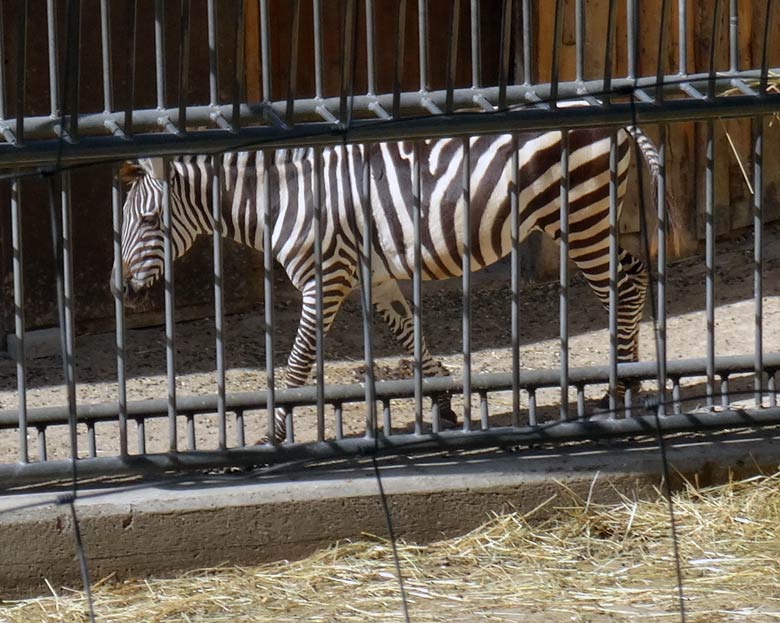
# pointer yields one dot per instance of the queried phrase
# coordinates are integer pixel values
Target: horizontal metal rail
(101, 137)
(388, 390)
(21, 474)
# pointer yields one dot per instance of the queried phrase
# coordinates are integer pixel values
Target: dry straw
(586, 562)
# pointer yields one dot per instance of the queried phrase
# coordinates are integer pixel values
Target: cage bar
(614, 274)
(19, 316)
(217, 183)
(170, 301)
(365, 258)
(661, 269)
(709, 259)
(515, 275)
(564, 275)
(466, 282)
(417, 288)
(319, 370)
(120, 336)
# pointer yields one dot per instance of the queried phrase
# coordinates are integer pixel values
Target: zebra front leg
(303, 353)
(392, 306)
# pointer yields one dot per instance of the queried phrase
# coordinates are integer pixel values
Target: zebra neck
(240, 199)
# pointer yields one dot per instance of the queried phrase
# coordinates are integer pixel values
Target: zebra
(291, 179)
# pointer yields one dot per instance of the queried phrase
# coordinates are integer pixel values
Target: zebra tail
(651, 157)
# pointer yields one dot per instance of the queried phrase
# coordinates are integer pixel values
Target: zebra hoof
(447, 418)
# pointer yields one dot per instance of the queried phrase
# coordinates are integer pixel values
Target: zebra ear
(153, 167)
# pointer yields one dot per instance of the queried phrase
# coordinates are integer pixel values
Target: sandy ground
(491, 301)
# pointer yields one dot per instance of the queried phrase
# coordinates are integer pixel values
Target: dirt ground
(491, 303)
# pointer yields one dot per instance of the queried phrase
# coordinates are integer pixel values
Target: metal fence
(50, 144)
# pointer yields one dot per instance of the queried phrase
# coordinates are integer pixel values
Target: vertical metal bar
(317, 18)
(184, 64)
(42, 452)
(268, 227)
(141, 435)
(609, 47)
(3, 60)
(713, 47)
(338, 417)
(556, 52)
(217, 181)
(400, 47)
(170, 322)
(268, 295)
(19, 320)
(211, 16)
(466, 268)
(289, 424)
(528, 43)
(476, 40)
(370, 48)
(72, 83)
(191, 445)
(452, 54)
(387, 418)
(319, 328)
(347, 63)
(240, 429)
(68, 306)
(484, 411)
(580, 401)
(724, 390)
(709, 259)
(292, 66)
(21, 68)
(238, 70)
(503, 65)
(632, 28)
(773, 388)
(676, 406)
(105, 47)
(159, 51)
(91, 441)
(662, 35)
(564, 275)
(365, 279)
(579, 40)
(734, 35)
(532, 419)
(514, 217)
(661, 273)
(131, 63)
(758, 255)
(682, 37)
(614, 273)
(54, 85)
(119, 311)
(422, 38)
(417, 288)
(765, 48)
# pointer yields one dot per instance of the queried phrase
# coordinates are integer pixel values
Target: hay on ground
(586, 563)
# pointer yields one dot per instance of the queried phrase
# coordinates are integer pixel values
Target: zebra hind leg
(632, 292)
(391, 304)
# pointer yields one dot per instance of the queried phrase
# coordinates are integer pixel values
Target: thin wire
(654, 406)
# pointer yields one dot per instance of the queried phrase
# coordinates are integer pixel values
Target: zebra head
(142, 228)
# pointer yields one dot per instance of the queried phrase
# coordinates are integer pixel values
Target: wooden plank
(252, 51)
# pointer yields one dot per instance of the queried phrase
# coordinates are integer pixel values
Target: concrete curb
(204, 521)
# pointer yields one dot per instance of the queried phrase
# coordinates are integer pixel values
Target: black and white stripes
(392, 208)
